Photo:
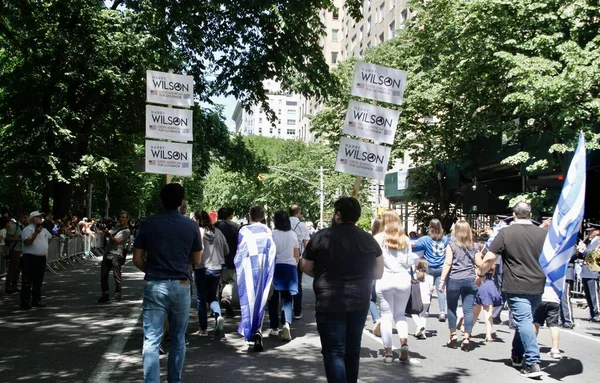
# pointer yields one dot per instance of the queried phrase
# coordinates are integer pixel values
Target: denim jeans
(373, 309)
(465, 289)
(341, 335)
(436, 273)
(168, 299)
(525, 342)
(298, 297)
(286, 308)
(207, 290)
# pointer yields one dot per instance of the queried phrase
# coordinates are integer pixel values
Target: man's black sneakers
(103, 299)
(533, 371)
(517, 361)
(258, 344)
(39, 304)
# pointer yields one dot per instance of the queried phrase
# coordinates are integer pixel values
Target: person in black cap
(589, 278)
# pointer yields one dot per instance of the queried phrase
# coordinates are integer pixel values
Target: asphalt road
(77, 340)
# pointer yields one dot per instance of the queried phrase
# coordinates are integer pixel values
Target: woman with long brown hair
(393, 289)
(459, 268)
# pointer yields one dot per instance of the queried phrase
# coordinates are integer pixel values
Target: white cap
(35, 214)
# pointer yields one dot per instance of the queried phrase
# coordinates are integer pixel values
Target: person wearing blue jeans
(164, 248)
(520, 246)
(524, 342)
(207, 289)
(165, 300)
(436, 273)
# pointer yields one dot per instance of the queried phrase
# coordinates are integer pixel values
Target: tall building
(287, 107)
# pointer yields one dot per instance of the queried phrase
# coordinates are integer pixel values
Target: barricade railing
(63, 251)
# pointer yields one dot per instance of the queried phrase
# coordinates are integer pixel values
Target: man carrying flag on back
(254, 265)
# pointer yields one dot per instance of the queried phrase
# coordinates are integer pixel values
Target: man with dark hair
(254, 265)
(14, 243)
(230, 230)
(164, 248)
(303, 235)
(520, 246)
(344, 260)
(114, 256)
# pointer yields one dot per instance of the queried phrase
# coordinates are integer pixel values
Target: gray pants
(229, 286)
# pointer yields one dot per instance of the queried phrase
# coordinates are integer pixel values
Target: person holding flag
(254, 265)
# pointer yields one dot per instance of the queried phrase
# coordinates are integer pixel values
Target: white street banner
(402, 181)
(168, 158)
(362, 159)
(379, 83)
(169, 123)
(372, 122)
(169, 88)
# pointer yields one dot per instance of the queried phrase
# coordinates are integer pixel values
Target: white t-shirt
(550, 295)
(301, 231)
(426, 289)
(39, 245)
(285, 243)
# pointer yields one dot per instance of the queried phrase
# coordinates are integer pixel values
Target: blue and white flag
(254, 264)
(566, 222)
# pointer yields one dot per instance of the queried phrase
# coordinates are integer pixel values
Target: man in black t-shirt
(343, 260)
(230, 230)
(520, 246)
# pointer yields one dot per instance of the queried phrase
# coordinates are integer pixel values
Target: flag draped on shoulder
(254, 264)
(566, 221)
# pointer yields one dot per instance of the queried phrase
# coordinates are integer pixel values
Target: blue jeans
(373, 309)
(341, 335)
(436, 273)
(168, 299)
(207, 289)
(286, 308)
(525, 342)
(466, 289)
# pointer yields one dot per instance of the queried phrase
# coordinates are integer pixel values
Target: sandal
(451, 343)
(489, 340)
(465, 345)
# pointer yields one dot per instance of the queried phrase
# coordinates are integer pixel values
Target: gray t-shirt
(463, 263)
(15, 230)
(122, 234)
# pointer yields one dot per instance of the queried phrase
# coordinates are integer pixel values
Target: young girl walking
(426, 284)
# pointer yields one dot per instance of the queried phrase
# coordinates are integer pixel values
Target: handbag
(415, 302)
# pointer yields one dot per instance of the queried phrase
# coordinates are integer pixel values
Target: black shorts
(547, 312)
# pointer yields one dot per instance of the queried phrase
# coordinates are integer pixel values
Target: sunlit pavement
(77, 340)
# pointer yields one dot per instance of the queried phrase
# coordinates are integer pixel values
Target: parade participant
(548, 312)
(459, 268)
(520, 245)
(254, 265)
(114, 257)
(285, 278)
(566, 306)
(164, 248)
(427, 287)
(488, 297)
(207, 274)
(230, 230)
(589, 278)
(33, 261)
(433, 246)
(373, 309)
(14, 242)
(343, 259)
(303, 235)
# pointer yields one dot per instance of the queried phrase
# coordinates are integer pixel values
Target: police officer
(566, 306)
(589, 278)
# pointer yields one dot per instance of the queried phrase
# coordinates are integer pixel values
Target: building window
(291, 103)
(392, 29)
(369, 44)
(392, 4)
(291, 132)
(271, 131)
(335, 34)
(381, 12)
(369, 24)
(336, 13)
(291, 122)
(367, 4)
(291, 112)
(404, 14)
(259, 130)
(360, 34)
(334, 57)
(381, 38)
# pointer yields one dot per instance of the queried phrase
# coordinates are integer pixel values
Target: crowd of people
(386, 272)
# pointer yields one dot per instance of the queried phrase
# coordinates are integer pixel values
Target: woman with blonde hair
(459, 268)
(433, 246)
(393, 289)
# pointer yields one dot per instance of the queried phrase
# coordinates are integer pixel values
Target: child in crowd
(426, 284)
(549, 312)
(487, 298)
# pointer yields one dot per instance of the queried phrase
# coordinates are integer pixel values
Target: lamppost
(320, 187)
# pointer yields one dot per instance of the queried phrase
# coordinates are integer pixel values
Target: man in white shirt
(33, 261)
(302, 232)
(14, 243)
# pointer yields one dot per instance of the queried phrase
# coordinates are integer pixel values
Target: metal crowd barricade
(63, 251)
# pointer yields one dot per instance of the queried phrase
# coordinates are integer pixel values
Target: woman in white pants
(393, 289)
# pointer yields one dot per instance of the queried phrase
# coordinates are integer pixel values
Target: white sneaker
(286, 332)
(219, 327)
(274, 332)
(554, 354)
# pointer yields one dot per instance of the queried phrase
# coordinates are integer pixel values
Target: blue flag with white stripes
(254, 265)
(566, 221)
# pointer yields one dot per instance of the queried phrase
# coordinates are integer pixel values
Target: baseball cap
(592, 227)
(35, 214)
(509, 218)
